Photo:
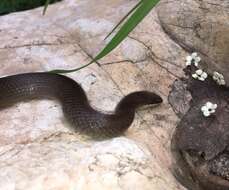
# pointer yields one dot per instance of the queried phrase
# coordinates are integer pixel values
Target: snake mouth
(148, 106)
(158, 100)
(153, 98)
(150, 98)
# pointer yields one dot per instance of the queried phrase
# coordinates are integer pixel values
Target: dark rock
(199, 140)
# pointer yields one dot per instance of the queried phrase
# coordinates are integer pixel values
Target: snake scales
(73, 99)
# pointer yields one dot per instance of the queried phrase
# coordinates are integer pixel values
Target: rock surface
(201, 26)
(37, 150)
(202, 141)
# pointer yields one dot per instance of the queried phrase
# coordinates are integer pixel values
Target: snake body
(75, 105)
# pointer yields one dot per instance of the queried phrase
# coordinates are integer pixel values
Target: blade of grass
(141, 11)
(46, 6)
(123, 19)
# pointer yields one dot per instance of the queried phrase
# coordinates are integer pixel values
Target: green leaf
(140, 12)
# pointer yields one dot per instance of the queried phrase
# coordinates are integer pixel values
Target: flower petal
(199, 72)
(206, 113)
(196, 64)
(188, 63)
(223, 82)
(204, 108)
(189, 58)
(197, 59)
(214, 106)
(204, 75)
(202, 79)
(209, 105)
(194, 54)
(195, 76)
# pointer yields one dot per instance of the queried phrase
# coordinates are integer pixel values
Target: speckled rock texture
(202, 26)
(37, 149)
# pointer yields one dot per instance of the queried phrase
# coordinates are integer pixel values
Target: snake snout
(157, 99)
(152, 98)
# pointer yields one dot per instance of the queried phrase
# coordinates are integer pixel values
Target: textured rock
(180, 98)
(201, 26)
(203, 141)
(70, 164)
(37, 150)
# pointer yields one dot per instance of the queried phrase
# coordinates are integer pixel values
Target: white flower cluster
(219, 78)
(200, 75)
(208, 109)
(193, 59)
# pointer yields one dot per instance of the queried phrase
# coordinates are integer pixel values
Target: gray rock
(37, 150)
(201, 26)
(180, 98)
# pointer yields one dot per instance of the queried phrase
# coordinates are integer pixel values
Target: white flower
(219, 78)
(208, 109)
(200, 75)
(193, 59)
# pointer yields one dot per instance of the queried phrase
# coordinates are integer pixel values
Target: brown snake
(73, 99)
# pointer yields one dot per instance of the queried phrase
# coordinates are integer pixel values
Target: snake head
(138, 99)
(148, 97)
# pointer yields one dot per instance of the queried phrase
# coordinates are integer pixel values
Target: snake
(74, 102)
